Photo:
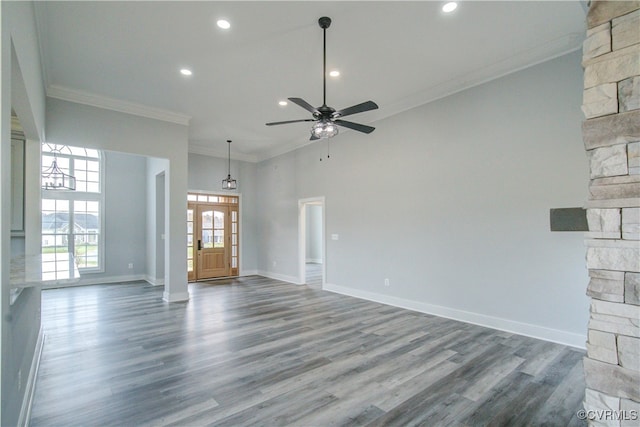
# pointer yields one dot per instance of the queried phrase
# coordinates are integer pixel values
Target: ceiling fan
(325, 117)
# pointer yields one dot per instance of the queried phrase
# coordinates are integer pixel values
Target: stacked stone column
(611, 134)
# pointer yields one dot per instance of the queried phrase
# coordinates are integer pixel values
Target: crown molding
(40, 13)
(530, 58)
(100, 101)
(200, 147)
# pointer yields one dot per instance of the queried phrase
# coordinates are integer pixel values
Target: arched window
(72, 221)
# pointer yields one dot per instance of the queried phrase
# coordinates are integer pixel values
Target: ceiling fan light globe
(324, 129)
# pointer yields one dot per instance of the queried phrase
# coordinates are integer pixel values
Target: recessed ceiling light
(282, 103)
(334, 73)
(224, 24)
(186, 72)
(449, 7)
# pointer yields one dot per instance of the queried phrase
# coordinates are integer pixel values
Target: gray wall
(278, 206)
(21, 88)
(450, 201)
(125, 217)
(155, 220)
(17, 245)
(206, 174)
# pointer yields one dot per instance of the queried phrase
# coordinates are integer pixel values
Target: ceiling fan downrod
(324, 22)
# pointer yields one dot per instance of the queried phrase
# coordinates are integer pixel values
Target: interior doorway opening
(312, 245)
(160, 228)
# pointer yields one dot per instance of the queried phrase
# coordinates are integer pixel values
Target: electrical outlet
(20, 379)
(130, 265)
(386, 282)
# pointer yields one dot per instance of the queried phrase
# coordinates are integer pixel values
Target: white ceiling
(127, 56)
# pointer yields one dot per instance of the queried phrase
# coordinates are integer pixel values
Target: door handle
(199, 245)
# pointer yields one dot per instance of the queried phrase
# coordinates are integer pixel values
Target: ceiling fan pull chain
(328, 151)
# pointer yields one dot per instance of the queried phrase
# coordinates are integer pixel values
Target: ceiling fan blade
(354, 126)
(360, 108)
(304, 104)
(290, 121)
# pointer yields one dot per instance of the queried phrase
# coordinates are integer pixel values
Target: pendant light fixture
(229, 183)
(53, 178)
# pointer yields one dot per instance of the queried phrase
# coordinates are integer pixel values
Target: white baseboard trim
(30, 387)
(154, 281)
(112, 279)
(88, 280)
(249, 273)
(512, 326)
(314, 260)
(278, 276)
(175, 297)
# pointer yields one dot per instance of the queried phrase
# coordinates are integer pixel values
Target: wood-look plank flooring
(258, 352)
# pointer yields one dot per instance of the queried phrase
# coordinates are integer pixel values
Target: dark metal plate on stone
(568, 219)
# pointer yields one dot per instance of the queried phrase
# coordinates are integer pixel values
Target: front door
(212, 251)
(212, 237)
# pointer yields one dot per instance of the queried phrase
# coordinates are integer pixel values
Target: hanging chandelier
(229, 183)
(54, 178)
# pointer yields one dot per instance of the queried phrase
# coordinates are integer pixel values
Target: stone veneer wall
(611, 134)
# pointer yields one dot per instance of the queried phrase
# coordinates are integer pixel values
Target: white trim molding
(175, 296)
(281, 277)
(302, 236)
(154, 281)
(30, 386)
(87, 280)
(244, 273)
(501, 324)
(101, 101)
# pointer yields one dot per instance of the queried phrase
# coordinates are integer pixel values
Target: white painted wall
(206, 174)
(83, 125)
(450, 201)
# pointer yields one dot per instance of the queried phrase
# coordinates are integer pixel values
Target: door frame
(240, 215)
(302, 237)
